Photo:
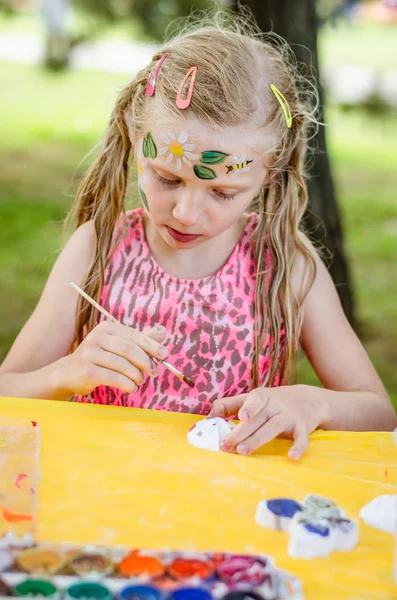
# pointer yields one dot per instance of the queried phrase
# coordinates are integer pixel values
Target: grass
(49, 123)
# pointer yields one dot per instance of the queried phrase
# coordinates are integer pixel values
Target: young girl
(216, 126)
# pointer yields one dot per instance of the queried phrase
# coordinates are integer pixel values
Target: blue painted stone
(322, 530)
(283, 507)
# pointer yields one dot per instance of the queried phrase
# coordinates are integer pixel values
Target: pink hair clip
(183, 103)
(151, 82)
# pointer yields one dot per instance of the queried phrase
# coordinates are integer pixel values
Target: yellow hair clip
(284, 105)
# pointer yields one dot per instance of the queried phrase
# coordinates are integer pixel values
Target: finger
(131, 351)
(263, 435)
(96, 376)
(254, 404)
(147, 343)
(245, 430)
(301, 441)
(157, 333)
(227, 407)
(114, 362)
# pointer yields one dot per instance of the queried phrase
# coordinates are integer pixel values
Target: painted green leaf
(143, 198)
(204, 172)
(213, 157)
(149, 147)
(144, 147)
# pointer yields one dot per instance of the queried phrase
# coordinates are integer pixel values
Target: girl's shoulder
(128, 227)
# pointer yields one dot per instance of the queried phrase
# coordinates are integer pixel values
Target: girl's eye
(164, 181)
(224, 196)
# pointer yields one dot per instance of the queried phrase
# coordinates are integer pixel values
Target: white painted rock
(277, 513)
(381, 513)
(208, 433)
(316, 526)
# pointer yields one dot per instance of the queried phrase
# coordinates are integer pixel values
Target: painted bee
(241, 165)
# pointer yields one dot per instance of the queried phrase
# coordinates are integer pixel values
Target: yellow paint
(126, 476)
(176, 148)
(139, 168)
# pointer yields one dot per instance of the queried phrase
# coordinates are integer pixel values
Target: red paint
(20, 478)
(193, 426)
(12, 517)
(32, 490)
(34, 423)
(386, 473)
(184, 568)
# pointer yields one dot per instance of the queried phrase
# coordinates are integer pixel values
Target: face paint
(149, 148)
(241, 165)
(213, 157)
(204, 172)
(143, 198)
(209, 157)
(178, 148)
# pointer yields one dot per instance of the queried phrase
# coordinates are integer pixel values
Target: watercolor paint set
(73, 572)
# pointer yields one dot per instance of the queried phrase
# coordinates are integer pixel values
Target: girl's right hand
(112, 354)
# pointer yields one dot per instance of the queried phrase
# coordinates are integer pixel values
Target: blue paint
(190, 594)
(283, 507)
(140, 592)
(322, 530)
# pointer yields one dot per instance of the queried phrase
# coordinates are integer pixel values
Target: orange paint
(184, 568)
(134, 565)
(12, 517)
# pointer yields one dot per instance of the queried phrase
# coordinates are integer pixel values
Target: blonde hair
(236, 65)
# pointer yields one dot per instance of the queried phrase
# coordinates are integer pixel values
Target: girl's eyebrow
(215, 182)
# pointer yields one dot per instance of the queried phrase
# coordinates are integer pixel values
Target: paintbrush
(102, 310)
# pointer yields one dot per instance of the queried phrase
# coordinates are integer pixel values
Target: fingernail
(162, 352)
(242, 449)
(225, 446)
(294, 454)
(246, 415)
(155, 371)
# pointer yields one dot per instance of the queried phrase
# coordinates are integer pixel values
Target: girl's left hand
(265, 413)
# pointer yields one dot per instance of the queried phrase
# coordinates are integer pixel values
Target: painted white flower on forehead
(241, 165)
(178, 148)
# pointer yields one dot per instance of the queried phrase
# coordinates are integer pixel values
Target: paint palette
(19, 475)
(118, 573)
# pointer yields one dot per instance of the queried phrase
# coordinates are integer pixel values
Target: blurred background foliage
(51, 119)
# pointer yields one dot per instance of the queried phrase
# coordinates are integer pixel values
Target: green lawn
(48, 124)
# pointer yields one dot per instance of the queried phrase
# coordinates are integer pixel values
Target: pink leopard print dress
(210, 323)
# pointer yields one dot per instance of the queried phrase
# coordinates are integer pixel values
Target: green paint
(213, 157)
(143, 198)
(35, 587)
(149, 148)
(204, 172)
(88, 590)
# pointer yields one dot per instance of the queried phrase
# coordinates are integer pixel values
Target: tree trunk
(296, 21)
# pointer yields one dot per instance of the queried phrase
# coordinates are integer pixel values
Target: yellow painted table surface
(126, 476)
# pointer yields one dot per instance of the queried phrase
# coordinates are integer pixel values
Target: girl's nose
(188, 209)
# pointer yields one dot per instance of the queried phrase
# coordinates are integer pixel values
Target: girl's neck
(193, 263)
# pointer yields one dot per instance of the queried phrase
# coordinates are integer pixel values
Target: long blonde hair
(236, 65)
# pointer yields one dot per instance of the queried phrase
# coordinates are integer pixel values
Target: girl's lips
(182, 237)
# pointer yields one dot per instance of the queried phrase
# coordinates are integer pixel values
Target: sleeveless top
(210, 323)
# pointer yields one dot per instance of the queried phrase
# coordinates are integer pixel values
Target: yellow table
(125, 476)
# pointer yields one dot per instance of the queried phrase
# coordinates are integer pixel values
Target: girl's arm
(39, 364)
(30, 369)
(354, 398)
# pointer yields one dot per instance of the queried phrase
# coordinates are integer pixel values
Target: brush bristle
(188, 381)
